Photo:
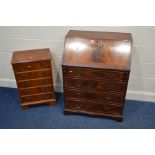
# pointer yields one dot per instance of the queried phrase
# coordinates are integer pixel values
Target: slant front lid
(31, 55)
(109, 50)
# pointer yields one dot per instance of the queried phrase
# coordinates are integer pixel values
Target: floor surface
(136, 115)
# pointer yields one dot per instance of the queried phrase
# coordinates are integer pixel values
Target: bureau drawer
(35, 90)
(95, 73)
(95, 85)
(28, 66)
(33, 74)
(36, 82)
(82, 105)
(37, 97)
(95, 96)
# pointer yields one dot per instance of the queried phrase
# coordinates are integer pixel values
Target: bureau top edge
(94, 67)
(31, 55)
(119, 36)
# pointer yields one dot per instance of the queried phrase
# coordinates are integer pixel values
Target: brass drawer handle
(43, 74)
(45, 90)
(78, 72)
(64, 69)
(47, 97)
(94, 72)
(21, 68)
(78, 83)
(77, 106)
(26, 91)
(108, 98)
(110, 76)
(30, 67)
(70, 71)
(78, 94)
(24, 84)
(107, 108)
(28, 98)
(22, 76)
(109, 88)
(44, 81)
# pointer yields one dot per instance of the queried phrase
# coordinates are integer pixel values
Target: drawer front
(28, 66)
(37, 97)
(91, 107)
(95, 96)
(95, 85)
(36, 90)
(94, 73)
(34, 74)
(33, 83)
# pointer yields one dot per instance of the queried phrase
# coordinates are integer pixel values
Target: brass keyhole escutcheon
(42, 66)
(70, 71)
(29, 66)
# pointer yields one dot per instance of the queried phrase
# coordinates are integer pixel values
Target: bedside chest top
(108, 50)
(31, 55)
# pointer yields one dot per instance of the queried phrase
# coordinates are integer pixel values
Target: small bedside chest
(33, 73)
(96, 67)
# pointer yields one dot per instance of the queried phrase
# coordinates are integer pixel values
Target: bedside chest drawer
(95, 96)
(35, 90)
(36, 82)
(33, 74)
(92, 107)
(29, 66)
(94, 73)
(95, 85)
(37, 97)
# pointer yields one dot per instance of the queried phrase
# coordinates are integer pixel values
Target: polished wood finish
(97, 53)
(99, 35)
(36, 90)
(95, 85)
(31, 56)
(95, 73)
(98, 96)
(33, 73)
(96, 67)
(42, 64)
(81, 105)
(36, 97)
(34, 82)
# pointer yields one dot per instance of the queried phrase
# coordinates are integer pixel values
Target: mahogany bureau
(33, 73)
(96, 67)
